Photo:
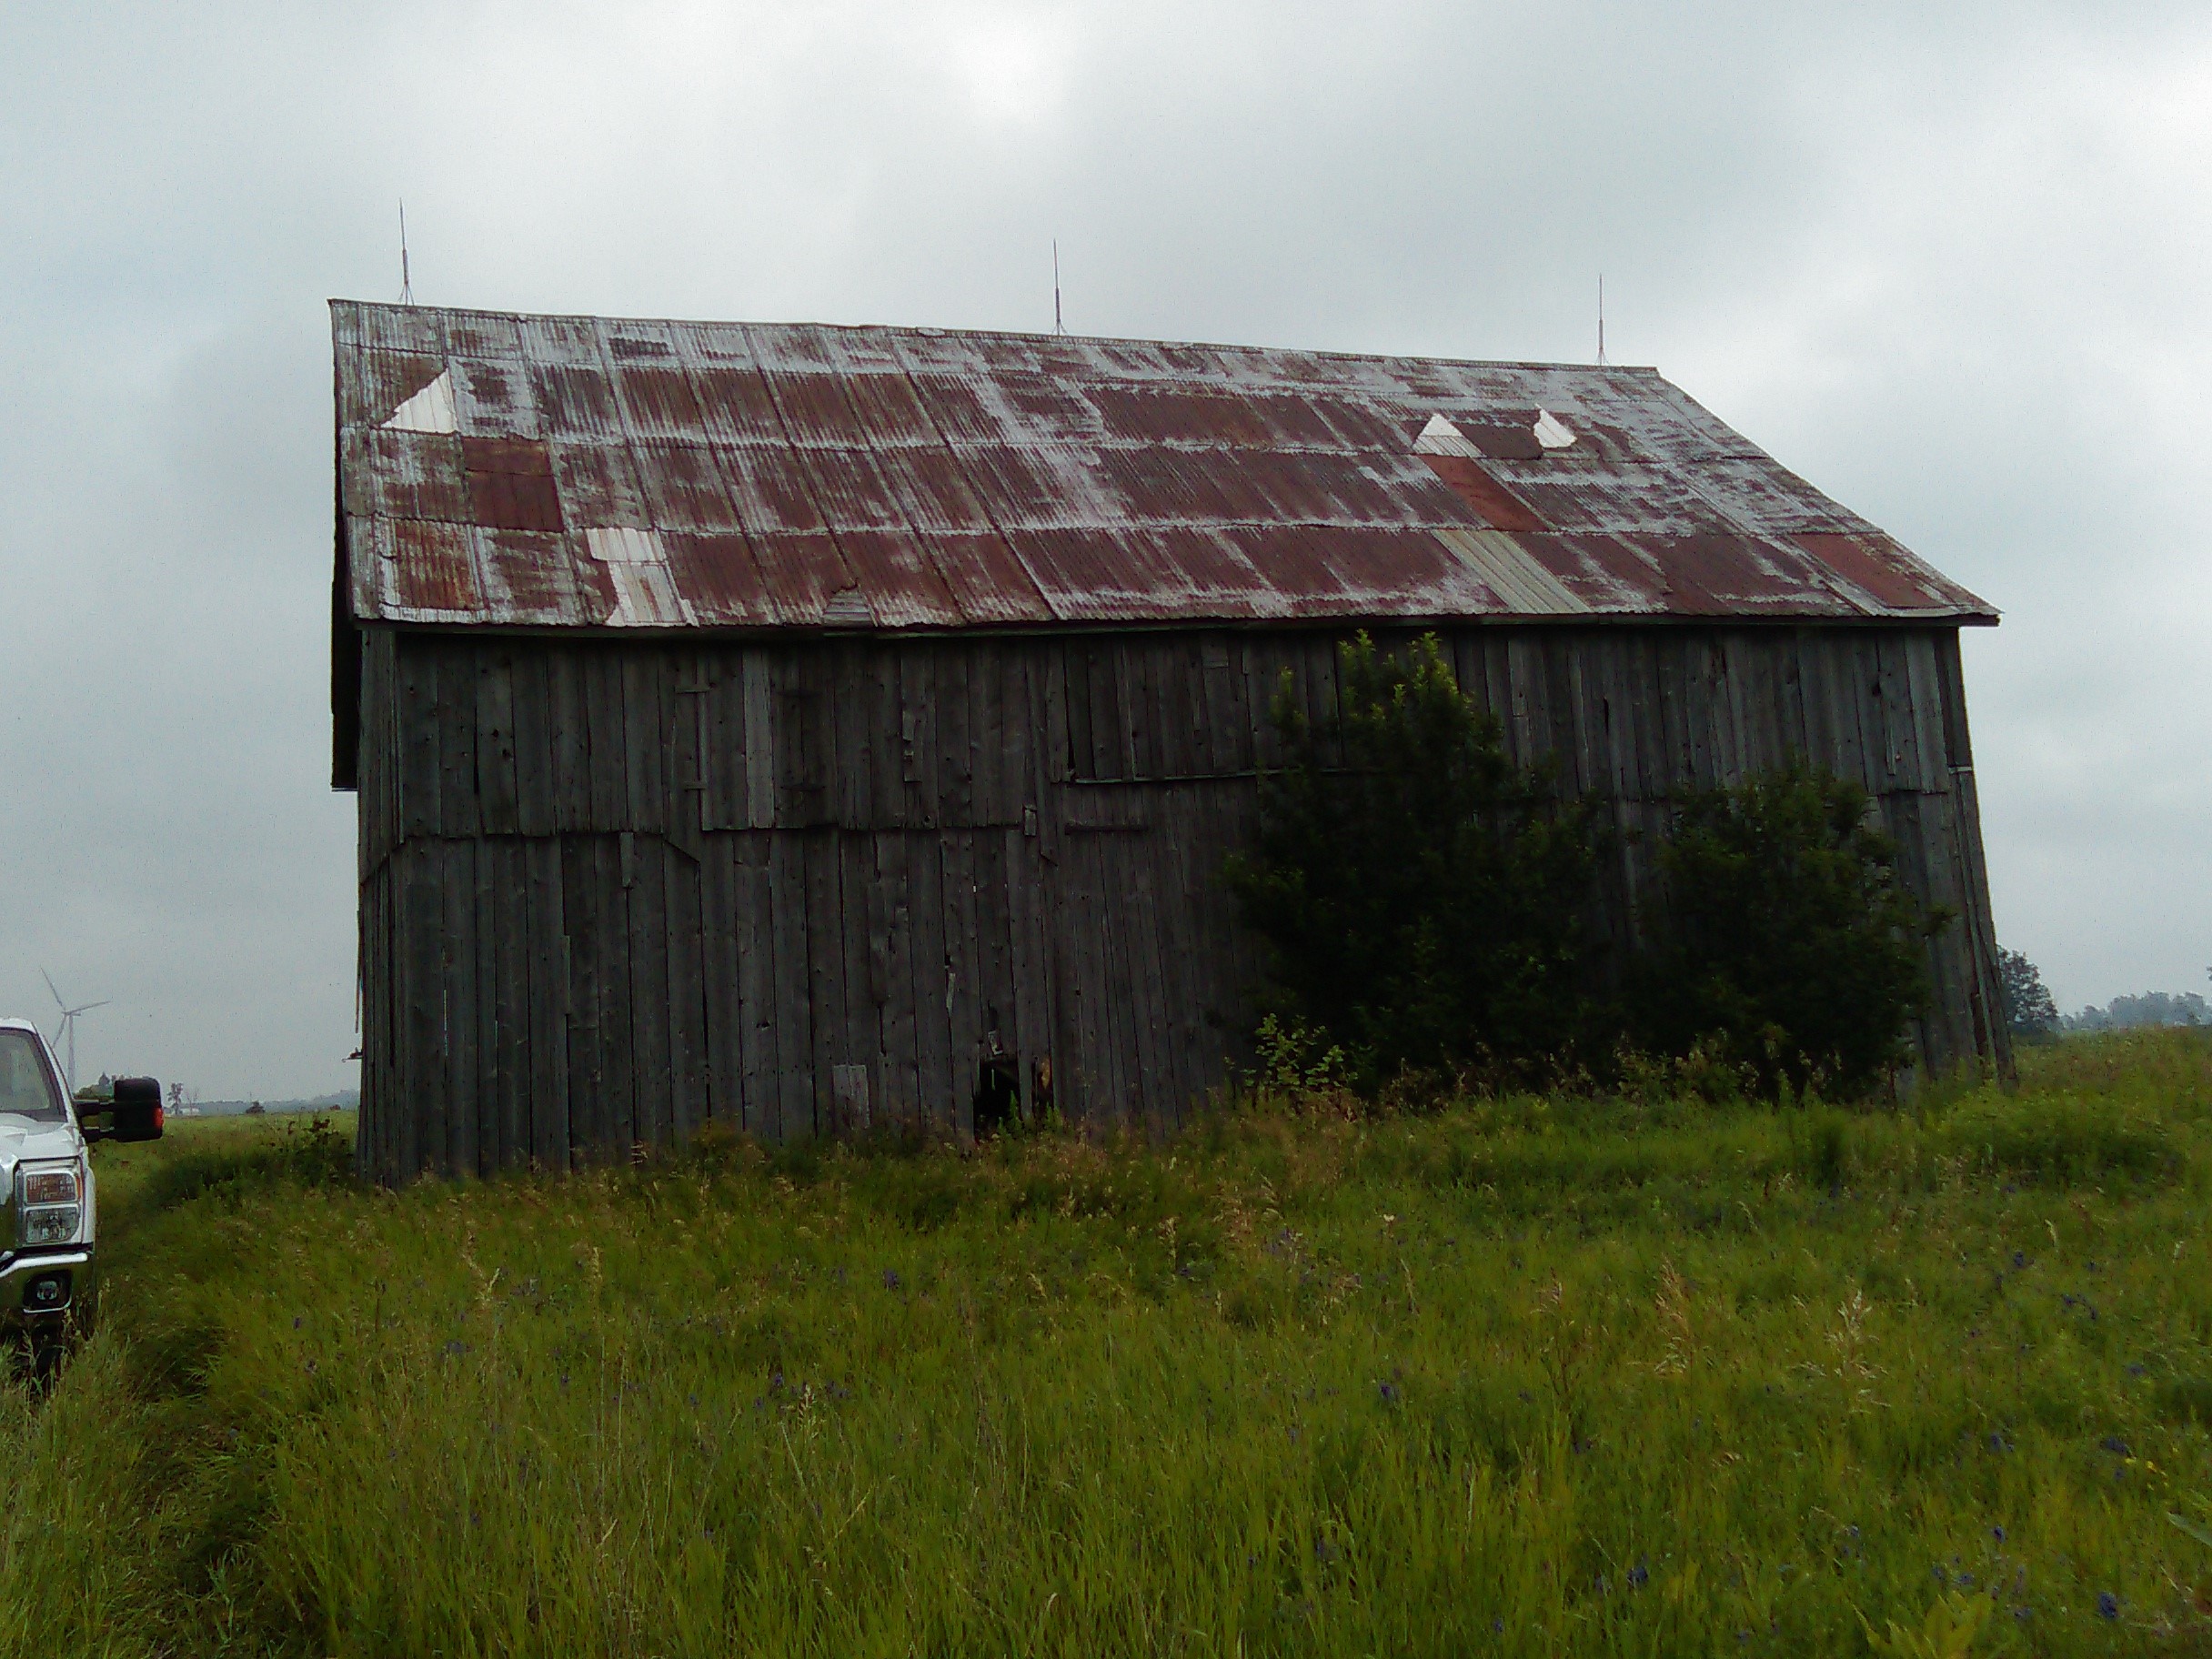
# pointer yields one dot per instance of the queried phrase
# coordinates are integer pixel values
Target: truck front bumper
(41, 1292)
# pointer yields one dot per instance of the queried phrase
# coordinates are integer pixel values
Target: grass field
(1534, 1377)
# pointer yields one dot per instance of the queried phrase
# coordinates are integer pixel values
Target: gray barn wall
(612, 890)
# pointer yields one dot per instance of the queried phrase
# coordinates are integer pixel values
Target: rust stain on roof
(582, 472)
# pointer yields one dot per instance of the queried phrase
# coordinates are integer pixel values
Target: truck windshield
(26, 1086)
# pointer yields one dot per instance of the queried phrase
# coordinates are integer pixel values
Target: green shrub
(1787, 943)
(1422, 899)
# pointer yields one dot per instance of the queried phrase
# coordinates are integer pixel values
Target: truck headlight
(49, 1187)
(49, 1203)
(55, 1224)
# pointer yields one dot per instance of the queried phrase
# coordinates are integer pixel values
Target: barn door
(1117, 1025)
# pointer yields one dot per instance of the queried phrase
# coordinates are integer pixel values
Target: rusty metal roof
(588, 472)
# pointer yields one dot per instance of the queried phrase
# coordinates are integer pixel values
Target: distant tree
(2152, 1008)
(2030, 1011)
(1788, 946)
(1423, 901)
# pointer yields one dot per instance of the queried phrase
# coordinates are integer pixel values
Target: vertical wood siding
(612, 891)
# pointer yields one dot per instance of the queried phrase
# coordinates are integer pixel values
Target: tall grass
(1526, 1375)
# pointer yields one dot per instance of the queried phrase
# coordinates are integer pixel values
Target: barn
(801, 728)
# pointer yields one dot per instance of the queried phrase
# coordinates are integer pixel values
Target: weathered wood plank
(898, 1088)
(1075, 683)
(509, 954)
(963, 976)
(825, 925)
(651, 1024)
(647, 692)
(581, 908)
(955, 746)
(762, 768)
(535, 770)
(787, 877)
(1924, 692)
(759, 985)
(932, 1000)
(459, 811)
(1958, 750)
(419, 760)
(987, 733)
(1056, 748)
(685, 763)
(724, 1016)
(422, 1118)
(497, 780)
(887, 780)
(860, 1039)
(994, 977)
(607, 774)
(478, 1129)
(1900, 727)
(917, 752)
(689, 1102)
(615, 861)
(538, 1116)
(570, 734)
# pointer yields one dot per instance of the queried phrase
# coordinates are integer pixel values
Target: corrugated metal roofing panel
(1508, 571)
(736, 407)
(657, 401)
(403, 475)
(685, 489)
(849, 489)
(532, 578)
(986, 579)
(812, 407)
(709, 344)
(890, 412)
(389, 378)
(721, 581)
(802, 573)
(432, 572)
(770, 489)
(507, 471)
(495, 396)
(577, 401)
(932, 488)
(894, 574)
(599, 485)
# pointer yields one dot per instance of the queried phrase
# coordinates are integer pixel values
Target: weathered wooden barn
(797, 727)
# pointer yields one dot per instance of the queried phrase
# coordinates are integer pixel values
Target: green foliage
(1422, 898)
(1787, 942)
(1528, 1376)
(2030, 1013)
(1292, 1058)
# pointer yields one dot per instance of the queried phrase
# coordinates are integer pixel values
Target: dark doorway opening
(998, 1089)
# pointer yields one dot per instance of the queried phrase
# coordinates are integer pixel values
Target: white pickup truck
(48, 1227)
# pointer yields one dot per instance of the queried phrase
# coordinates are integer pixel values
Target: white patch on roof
(848, 607)
(626, 546)
(645, 592)
(1440, 437)
(1511, 573)
(1552, 432)
(429, 410)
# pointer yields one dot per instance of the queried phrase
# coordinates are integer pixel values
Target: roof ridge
(941, 331)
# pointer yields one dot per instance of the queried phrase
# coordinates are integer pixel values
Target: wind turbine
(68, 1027)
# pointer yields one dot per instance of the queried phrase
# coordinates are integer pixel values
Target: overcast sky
(1949, 263)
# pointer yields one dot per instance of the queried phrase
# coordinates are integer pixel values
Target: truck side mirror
(137, 1114)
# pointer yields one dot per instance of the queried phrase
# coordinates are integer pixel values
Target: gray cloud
(1949, 266)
